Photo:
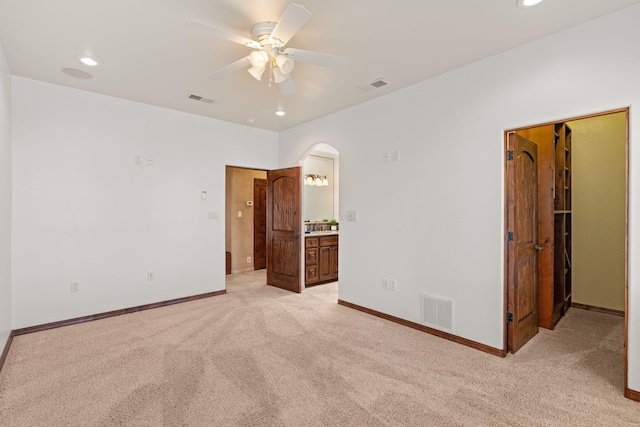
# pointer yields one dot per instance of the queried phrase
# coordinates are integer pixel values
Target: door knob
(538, 248)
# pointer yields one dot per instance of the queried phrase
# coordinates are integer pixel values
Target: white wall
(5, 200)
(442, 204)
(84, 211)
(598, 206)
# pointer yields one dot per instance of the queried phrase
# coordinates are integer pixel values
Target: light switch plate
(352, 216)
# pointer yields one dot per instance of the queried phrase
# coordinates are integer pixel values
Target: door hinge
(510, 155)
(509, 317)
(509, 236)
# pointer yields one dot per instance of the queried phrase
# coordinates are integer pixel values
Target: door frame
(507, 184)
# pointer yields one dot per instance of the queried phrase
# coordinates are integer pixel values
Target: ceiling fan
(269, 54)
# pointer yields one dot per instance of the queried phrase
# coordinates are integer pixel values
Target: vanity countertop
(321, 233)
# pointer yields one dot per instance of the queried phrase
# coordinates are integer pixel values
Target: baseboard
(598, 309)
(436, 332)
(91, 317)
(632, 394)
(5, 351)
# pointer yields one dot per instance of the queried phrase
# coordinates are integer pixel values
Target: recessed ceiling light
(87, 60)
(280, 113)
(527, 3)
(78, 74)
(250, 120)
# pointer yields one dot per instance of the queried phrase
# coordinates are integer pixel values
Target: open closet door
(283, 228)
(522, 242)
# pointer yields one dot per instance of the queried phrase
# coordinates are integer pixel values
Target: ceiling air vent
(376, 84)
(201, 99)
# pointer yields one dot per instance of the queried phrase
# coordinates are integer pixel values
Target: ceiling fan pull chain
(270, 74)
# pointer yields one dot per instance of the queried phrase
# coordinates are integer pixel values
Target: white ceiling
(148, 54)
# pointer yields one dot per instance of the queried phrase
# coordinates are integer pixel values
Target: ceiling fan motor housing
(262, 31)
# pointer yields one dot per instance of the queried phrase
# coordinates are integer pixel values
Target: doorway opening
(321, 189)
(566, 242)
(262, 224)
(245, 219)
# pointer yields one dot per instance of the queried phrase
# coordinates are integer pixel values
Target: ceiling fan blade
(316, 58)
(288, 87)
(230, 69)
(293, 18)
(223, 34)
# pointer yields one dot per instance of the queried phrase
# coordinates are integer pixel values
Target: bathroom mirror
(320, 201)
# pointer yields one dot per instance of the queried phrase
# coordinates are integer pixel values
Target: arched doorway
(321, 190)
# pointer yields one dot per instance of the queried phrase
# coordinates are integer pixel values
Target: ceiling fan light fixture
(258, 58)
(256, 72)
(285, 64)
(279, 76)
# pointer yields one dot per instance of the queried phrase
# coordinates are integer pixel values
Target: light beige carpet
(260, 356)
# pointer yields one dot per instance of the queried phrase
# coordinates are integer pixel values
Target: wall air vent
(376, 84)
(201, 99)
(437, 313)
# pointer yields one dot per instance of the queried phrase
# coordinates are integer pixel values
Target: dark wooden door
(259, 224)
(522, 242)
(544, 138)
(283, 228)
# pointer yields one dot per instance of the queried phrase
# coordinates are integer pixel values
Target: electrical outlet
(385, 283)
(248, 259)
(151, 275)
(392, 284)
(74, 286)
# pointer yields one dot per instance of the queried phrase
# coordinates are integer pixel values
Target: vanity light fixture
(317, 180)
